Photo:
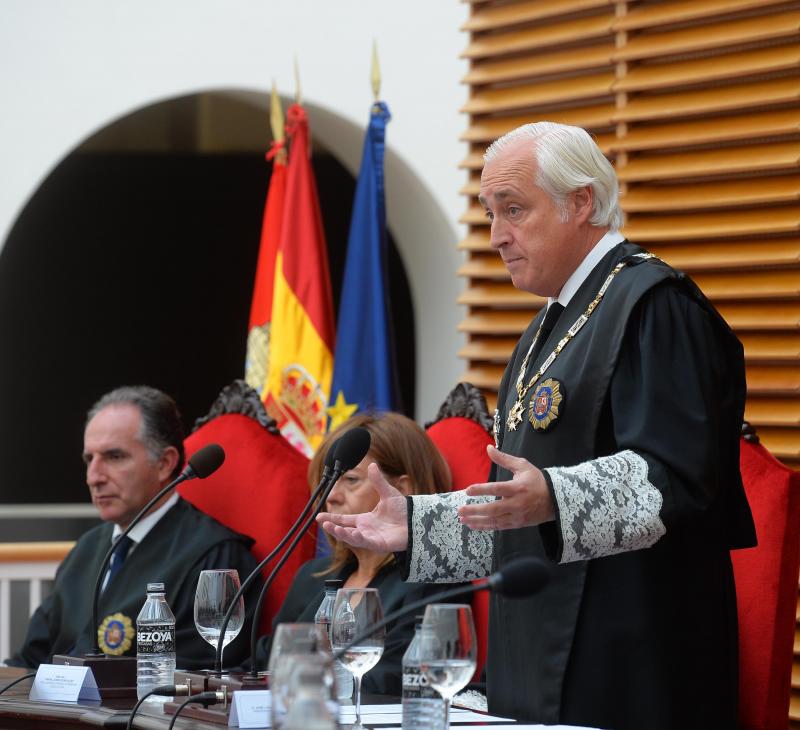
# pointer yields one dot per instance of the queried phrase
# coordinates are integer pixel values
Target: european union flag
(364, 367)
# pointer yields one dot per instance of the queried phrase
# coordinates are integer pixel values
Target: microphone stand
(338, 470)
(116, 676)
(326, 476)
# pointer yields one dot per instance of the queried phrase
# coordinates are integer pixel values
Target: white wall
(70, 67)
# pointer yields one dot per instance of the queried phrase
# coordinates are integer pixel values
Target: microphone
(326, 474)
(517, 579)
(351, 448)
(204, 463)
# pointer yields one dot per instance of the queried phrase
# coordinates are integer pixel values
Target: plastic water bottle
(155, 642)
(324, 616)
(423, 707)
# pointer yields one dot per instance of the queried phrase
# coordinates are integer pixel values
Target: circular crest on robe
(115, 634)
(544, 405)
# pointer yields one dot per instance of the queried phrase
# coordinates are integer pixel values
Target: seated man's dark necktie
(550, 318)
(123, 544)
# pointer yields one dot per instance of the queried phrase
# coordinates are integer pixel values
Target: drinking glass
(447, 649)
(215, 591)
(299, 660)
(355, 610)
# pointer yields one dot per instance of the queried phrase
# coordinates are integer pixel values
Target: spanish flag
(302, 339)
(258, 335)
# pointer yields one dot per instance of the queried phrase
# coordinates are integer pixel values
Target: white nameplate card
(250, 708)
(64, 683)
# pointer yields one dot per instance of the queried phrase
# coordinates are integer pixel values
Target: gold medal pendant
(544, 406)
(515, 416)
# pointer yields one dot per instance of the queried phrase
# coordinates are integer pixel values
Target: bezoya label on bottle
(415, 685)
(155, 639)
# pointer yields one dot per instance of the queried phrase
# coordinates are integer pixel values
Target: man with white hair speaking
(617, 459)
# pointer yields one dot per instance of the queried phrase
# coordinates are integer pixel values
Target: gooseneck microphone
(326, 474)
(517, 579)
(204, 463)
(351, 448)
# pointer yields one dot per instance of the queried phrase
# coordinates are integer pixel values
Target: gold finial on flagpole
(375, 74)
(298, 96)
(276, 115)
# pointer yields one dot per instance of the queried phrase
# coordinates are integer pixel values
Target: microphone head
(351, 448)
(521, 577)
(206, 461)
(330, 457)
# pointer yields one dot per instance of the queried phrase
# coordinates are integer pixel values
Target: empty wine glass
(447, 649)
(356, 610)
(215, 591)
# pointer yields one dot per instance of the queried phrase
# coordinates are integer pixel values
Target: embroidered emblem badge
(544, 406)
(115, 634)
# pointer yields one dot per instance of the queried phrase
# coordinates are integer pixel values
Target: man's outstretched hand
(384, 530)
(521, 501)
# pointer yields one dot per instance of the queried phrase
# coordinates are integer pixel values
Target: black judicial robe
(181, 544)
(637, 628)
(307, 591)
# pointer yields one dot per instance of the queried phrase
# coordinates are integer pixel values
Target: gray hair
(568, 159)
(161, 421)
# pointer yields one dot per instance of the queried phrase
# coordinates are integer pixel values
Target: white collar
(601, 248)
(139, 532)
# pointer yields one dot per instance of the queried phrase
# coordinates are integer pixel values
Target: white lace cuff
(442, 550)
(606, 506)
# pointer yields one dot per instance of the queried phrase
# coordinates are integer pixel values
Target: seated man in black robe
(617, 459)
(133, 447)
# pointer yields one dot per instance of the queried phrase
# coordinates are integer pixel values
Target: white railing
(31, 563)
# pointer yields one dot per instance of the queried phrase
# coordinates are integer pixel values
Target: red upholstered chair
(260, 489)
(461, 432)
(766, 588)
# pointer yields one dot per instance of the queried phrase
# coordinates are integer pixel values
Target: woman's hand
(384, 530)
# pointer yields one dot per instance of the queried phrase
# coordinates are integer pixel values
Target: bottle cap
(333, 584)
(155, 587)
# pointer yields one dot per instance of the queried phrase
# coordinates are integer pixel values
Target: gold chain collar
(515, 414)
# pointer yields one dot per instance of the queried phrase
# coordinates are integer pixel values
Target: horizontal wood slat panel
(688, 40)
(494, 349)
(500, 16)
(774, 380)
(710, 130)
(477, 240)
(761, 316)
(745, 285)
(753, 253)
(717, 194)
(497, 322)
(750, 158)
(756, 94)
(641, 228)
(511, 98)
(485, 376)
(652, 77)
(487, 129)
(485, 268)
(772, 412)
(662, 13)
(783, 442)
(540, 36)
(499, 295)
(474, 161)
(772, 347)
(574, 59)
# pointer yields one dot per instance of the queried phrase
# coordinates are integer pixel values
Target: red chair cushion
(462, 442)
(766, 590)
(259, 491)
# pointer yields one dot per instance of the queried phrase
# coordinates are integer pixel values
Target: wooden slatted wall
(697, 103)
